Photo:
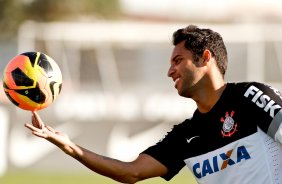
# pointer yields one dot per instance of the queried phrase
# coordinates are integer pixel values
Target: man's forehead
(179, 49)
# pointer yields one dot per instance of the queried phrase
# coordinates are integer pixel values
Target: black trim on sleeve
(169, 151)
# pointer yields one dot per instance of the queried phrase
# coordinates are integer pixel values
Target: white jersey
(239, 141)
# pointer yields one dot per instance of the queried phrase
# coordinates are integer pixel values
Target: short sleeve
(168, 151)
(267, 102)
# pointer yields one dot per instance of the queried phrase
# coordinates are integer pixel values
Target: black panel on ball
(11, 99)
(34, 94)
(60, 87)
(52, 89)
(21, 79)
(45, 65)
(32, 57)
(5, 86)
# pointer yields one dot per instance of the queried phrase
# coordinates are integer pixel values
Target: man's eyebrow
(175, 57)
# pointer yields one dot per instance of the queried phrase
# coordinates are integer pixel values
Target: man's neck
(209, 97)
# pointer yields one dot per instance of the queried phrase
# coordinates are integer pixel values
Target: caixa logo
(220, 162)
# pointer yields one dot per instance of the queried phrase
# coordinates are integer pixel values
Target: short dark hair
(197, 40)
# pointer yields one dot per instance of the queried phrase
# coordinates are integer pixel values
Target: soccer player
(234, 135)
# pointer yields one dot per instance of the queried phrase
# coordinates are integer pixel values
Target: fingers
(50, 128)
(36, 131)
(36, 120)
(38, 128)
(31, 127)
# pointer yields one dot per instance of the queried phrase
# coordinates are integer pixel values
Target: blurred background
(114, 55)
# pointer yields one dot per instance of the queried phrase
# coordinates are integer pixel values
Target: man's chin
(181, 93)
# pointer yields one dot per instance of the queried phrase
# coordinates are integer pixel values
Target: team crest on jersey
(229, 126)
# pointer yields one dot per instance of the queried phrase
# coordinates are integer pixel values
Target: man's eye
(178, 61)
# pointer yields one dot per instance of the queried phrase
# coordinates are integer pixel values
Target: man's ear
(206, 56)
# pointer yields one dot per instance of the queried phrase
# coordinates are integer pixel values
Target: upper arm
(164, 159)
(146, 166)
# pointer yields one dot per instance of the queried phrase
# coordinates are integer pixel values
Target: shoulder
(179, 130)
(241, 85)
(250, 87)
(245, 85)
(259, 89)
(182, 126)
(261, 94)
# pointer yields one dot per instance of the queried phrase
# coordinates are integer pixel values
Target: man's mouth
(176, 81)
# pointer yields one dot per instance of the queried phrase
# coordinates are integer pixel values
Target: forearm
(120, 171)
(126, 172)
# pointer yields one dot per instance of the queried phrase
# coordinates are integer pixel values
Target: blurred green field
(28, 177)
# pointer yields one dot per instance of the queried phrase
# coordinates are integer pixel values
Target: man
(234, 136)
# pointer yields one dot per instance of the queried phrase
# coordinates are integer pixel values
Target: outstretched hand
(39, 129)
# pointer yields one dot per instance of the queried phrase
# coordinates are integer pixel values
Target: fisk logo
(262, 100)
(220, 162)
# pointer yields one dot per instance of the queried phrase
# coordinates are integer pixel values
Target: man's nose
(171, 70)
